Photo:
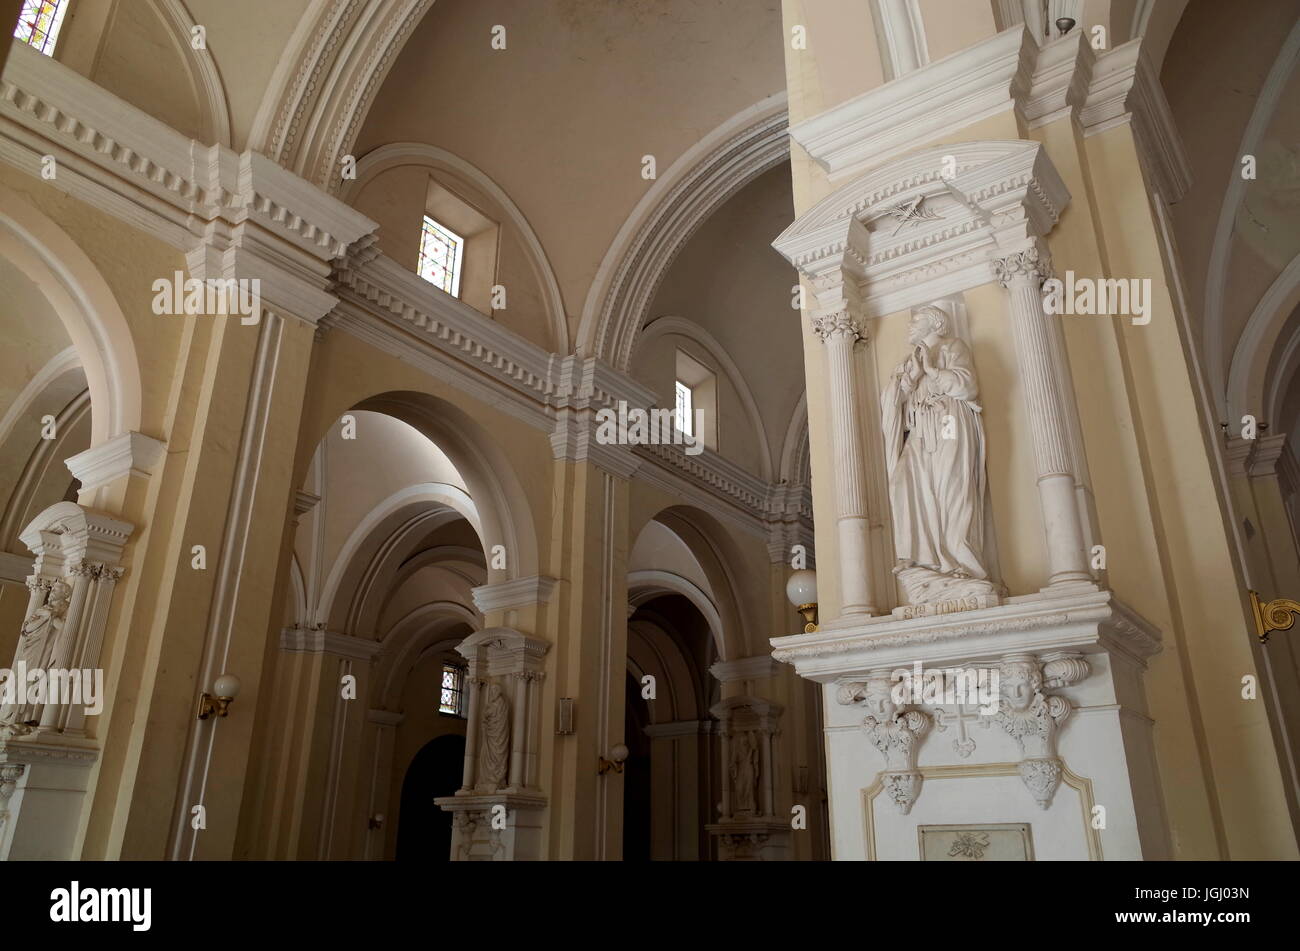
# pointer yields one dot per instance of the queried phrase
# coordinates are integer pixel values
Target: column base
(752, 840)
(495, 827)
(43, 782)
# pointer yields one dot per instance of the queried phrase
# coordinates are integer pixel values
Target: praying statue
(934, 454)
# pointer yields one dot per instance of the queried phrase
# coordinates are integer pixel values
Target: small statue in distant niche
(934, 456)
(495, 755)
(744, 773)
(40, 633)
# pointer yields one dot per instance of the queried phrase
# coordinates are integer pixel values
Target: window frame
(33, 9)
(432, 227)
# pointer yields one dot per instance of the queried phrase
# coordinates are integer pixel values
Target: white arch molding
(323, 88)
(1221, 251)
(648, 584)
(1249, 389)
(438, 497)
(212, 93)
(504, 512)
(397, 154)
(81, 297)
(698, 183)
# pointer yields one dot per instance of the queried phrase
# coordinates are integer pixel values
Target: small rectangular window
(38, 24)
(685, 409)
(452, 700)
(441, 254)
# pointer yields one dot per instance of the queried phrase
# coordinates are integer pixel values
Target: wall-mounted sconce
(616, 761)
(801, 589)
(224, 690)
(1276, 615)
(564, 717)
(1064, 24)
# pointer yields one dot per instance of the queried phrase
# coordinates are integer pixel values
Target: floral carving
(1031, 264)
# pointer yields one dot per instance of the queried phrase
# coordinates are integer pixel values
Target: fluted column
(1022, 274)
(519, 731)
(840, 331)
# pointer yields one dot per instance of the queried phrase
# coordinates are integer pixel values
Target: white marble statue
(38, 638)
(934, 452)
(495, 757)
(744, 773)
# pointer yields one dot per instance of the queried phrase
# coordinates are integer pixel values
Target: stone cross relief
(1025, 713)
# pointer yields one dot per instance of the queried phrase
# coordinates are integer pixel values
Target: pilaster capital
(839, 326)
(1032, 264)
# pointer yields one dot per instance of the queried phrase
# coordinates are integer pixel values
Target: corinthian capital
(838, 325)
(1031, 264)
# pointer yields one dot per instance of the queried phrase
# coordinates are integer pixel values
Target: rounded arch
(681, 199)
(504, 514)
(81, 297)
(436, 626)
(670, 324)
(323, 87)
(380, 542)
(203, 69)
(651, 650)
(1248, 377)
(715, 552)
(795, 463)
(1212, 334)
(646, 585)
(397, 154)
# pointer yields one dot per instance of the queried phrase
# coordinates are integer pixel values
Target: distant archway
(424, 830)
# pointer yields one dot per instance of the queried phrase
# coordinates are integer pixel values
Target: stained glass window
(441, 251)
(685, 409)
(453, 681)
(38, 24)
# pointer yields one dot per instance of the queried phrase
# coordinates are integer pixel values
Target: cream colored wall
(635, 90)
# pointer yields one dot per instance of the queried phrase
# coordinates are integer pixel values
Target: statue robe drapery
(936, 484)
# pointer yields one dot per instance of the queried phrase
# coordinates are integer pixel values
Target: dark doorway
(636, 777)
(424, 830)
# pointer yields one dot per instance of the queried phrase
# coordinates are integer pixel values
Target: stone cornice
(299, 640)
(980, 81)
(864, 256)
(240, 213)
(243, 215)
(520, 593)
(1087, 621)
(131, 453)
(1007, 72)
(759, 667)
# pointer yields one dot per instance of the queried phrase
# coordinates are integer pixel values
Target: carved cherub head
(879, 700)
(1020, 683)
